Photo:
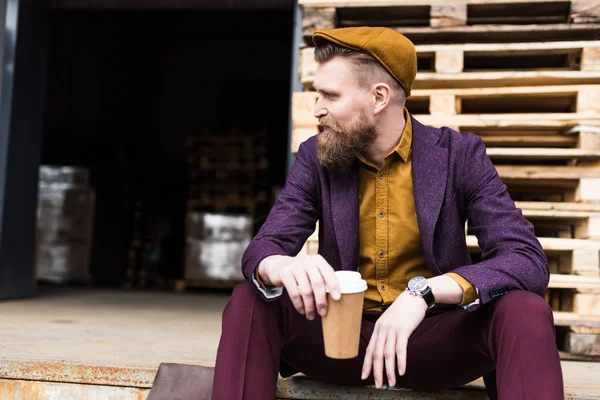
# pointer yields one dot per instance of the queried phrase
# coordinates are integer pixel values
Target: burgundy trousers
(510, 342)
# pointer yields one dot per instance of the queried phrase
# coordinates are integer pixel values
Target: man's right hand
(304, 278)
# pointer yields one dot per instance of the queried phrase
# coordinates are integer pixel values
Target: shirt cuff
(270, 292)
(470, 292)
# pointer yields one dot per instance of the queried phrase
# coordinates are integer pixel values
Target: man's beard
(337, 147)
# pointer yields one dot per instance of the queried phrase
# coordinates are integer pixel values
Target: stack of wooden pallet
(525, 76)
(227, 172)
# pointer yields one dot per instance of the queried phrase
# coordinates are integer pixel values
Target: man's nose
(319, 111)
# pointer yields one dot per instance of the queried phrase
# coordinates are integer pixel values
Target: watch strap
(429, 298)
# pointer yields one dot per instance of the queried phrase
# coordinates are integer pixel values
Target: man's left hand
(387, 346)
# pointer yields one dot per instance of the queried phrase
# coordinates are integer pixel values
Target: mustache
(331, 124)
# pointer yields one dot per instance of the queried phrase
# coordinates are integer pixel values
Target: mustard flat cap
(393, 50)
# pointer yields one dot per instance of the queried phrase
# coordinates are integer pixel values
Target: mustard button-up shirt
(390, 242)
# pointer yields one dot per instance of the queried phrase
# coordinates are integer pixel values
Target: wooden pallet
(419, 19)
(494, 64)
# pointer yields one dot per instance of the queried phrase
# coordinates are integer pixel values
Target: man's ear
(382, 94)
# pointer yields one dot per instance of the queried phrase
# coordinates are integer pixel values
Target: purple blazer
(454, 181)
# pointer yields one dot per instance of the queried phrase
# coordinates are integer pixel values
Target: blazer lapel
(344, 209)
(429, 170)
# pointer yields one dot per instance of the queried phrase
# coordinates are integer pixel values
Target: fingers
(306, 293)
(329, 277)
(368, 363)
(293, 291)
(305, 281)
(401, 344)
(318, 288)
(378, 355)
(390, 358)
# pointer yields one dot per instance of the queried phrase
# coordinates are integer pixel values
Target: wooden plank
(575, 209)
(543, 154)
(453, 14)
(448, 62)
(558, 281)
(590, 59)
(313, 19)
(500, 33)
(524, 141)
(551, 244)
(586, 304)
(547, 172)
(564, 318)
(435, 80)
(585, 11)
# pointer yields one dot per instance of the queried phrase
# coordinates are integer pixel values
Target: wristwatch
(418, 286)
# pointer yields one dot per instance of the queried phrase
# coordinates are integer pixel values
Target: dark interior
(127, 88)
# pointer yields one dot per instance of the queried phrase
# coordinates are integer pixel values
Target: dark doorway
(125, 90)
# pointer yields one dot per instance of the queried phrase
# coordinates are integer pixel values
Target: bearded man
(392, 197)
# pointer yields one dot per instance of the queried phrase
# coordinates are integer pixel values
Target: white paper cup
(341, 324)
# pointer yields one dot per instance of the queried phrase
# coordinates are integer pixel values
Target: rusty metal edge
(70, 372)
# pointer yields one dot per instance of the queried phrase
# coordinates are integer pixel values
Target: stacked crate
(228, 185)
(228, 172)
(65, 216)
(525, 76)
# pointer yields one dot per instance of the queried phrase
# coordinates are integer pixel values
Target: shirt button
(382, 287)
(381, 254)
(381, 176)
(381, 214)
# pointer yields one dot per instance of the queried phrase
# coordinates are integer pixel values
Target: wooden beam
(543, 153)
(558, 281)
(521, 141)
(437, 80)
(453, 14)
(590, 59)
(320, 18)
(552, 244)
(565, 318)
(585, 11)
(586, 304)
(500, 33)
(444, 104)
(585, 208)
(588, 99)
(449, 62)
(588, 189)
(547, 172)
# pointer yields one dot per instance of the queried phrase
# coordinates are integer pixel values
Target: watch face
(417, 284)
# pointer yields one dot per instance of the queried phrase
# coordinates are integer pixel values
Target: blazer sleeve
(512, 257)
(291, 220)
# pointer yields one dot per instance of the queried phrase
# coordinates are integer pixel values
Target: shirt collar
(404, 145)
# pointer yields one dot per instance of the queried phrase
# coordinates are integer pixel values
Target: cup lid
(350, 282)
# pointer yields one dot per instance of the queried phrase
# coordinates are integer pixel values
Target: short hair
(368, 69)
